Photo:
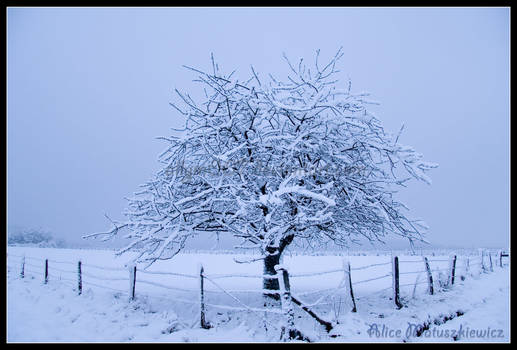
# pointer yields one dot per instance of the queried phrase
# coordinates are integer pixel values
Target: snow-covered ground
(476, 306)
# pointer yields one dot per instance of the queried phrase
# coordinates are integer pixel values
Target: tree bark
(270, 261)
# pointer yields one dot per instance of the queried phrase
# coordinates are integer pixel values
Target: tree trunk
(270, 261)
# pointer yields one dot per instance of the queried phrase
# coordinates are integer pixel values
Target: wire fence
(398, 274)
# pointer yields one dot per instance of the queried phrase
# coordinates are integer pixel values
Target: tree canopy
(272, 162)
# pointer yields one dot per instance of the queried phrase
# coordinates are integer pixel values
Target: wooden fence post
(467, 267)
(453, 269)
(504, 255)
(22, 272)
(46, 271)
(203, 322)
(429, 276)
(132, 281)
(348, 283)
(396, 293)
(79, 279)
(500, 258)
(490, 259)
(483, 261)
(288, 329)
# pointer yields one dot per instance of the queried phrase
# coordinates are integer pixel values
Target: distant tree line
(34, 237)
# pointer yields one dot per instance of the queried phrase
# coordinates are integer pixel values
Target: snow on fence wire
(438, 275)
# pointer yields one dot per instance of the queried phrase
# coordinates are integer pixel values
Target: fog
(88, 92)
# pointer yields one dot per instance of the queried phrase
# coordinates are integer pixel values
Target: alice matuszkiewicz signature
(413, 330)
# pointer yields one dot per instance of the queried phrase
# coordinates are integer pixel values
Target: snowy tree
(274, 162)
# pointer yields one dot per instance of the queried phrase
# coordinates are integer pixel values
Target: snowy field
(166, 306)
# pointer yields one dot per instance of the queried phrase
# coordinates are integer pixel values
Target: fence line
(261, 291)
(165, 286)
(105, 267)
(244, 309)
(411, 261)
(318, 302)
(319, 273)
(438, 260)
(315, 291)
(30, 257)
(106, 287)
(411, 272)
(372, 279)
(65, 281)
(169, 298)
(412, 284)
(61, 278)
(61, 262)
(104, 278)
(368, 266)
(168, 273)
(217, 276)
(237, 300)
(31, 265)
(449, 272)
(61, 270)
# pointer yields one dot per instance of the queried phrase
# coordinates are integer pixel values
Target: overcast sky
(89, 92)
